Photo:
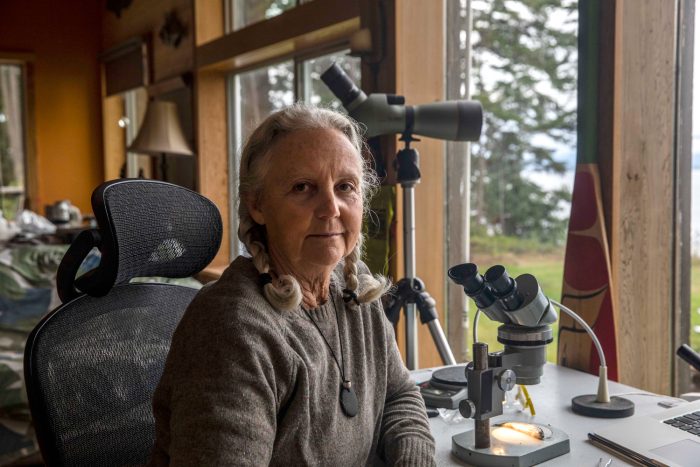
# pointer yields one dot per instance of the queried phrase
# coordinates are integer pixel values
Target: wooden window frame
(31, 184)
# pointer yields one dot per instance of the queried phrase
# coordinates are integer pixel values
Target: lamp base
(520, 452)
(618, 407)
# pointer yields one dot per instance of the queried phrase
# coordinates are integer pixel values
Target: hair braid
(350, 268)
(366, 288)
(283, 293)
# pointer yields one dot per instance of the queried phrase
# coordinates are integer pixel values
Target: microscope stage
(503, 453)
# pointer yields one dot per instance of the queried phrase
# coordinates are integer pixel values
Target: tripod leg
(428, 315)
(411, 337)
(441, 343)
(404, 297)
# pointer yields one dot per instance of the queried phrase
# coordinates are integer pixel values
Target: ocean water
(552, 182)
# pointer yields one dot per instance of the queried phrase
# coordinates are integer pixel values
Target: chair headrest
(145, 228)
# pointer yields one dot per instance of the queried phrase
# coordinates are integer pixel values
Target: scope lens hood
(340, 84)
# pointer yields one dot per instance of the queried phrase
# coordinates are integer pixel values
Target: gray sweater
(245, 384)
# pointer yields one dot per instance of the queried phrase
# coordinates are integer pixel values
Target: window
(254, 94)
(242, 13)
(524, 72)
(258, 92)
(313, 90)
(695, 200)
(13, 159)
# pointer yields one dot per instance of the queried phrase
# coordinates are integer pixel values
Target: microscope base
(510, 454)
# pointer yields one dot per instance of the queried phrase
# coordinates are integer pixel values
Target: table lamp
(160, 134)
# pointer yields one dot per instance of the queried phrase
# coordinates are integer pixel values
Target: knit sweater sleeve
(225, 380)
(405, 432)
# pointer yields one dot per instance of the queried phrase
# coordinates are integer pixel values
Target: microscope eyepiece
(464, 274)
(504, 287)
(467, 275)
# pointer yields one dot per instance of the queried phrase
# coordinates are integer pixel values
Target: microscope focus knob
(467, 409)
(506, 380)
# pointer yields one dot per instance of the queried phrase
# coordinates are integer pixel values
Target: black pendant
(348, 400)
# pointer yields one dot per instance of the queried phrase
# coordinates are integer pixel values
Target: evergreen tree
(524, 74)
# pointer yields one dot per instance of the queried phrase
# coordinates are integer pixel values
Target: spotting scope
(387, 113)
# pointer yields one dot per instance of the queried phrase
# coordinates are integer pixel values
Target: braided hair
(285, 292)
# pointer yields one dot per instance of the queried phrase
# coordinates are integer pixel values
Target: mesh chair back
(92, 365)
(92, 370)
(147, 228)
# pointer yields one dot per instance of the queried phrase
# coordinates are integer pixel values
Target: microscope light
(512, 436)
(530, 429)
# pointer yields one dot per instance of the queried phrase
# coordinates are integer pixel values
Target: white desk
(552, 400)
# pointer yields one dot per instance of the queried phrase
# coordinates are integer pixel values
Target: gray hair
(285, 293)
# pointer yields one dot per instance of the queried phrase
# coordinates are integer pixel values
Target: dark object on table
(446, 387)
(92, 365)
(63, 212)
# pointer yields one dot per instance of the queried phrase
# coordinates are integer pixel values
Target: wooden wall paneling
(420, 78)
(127, 66)
(209, 20)
(171, 61)
(146, 17)
(211, 136)
(643, 190)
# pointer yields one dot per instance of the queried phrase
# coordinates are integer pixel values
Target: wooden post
(643, 190)
(211, 126)
(420, 78)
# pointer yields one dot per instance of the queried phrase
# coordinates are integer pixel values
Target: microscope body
(526, 314)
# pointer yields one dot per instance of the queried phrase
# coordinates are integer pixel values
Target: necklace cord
(340, 339)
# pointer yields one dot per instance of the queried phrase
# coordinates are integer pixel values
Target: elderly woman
(288, 359)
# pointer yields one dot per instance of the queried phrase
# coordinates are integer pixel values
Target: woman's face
(311, 203)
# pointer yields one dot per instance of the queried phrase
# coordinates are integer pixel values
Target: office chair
(92, 364)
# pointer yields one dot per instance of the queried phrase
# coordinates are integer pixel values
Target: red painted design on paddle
(583, 208)
(587, 270)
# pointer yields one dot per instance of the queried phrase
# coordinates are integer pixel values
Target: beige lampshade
(161, 131)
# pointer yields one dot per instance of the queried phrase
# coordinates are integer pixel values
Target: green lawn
(548, 268)
(695, 304)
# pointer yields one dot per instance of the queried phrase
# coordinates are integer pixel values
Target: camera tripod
(411, 290)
